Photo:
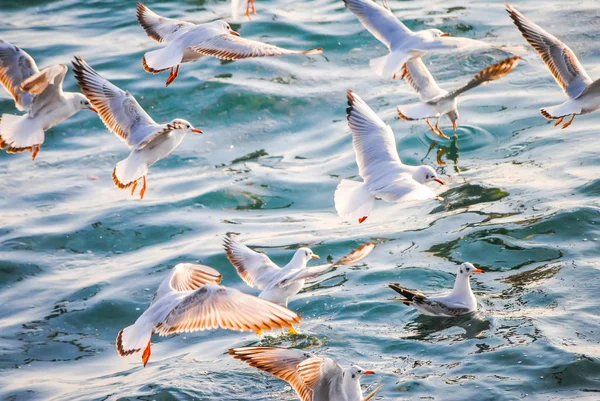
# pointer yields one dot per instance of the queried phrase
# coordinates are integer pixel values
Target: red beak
(478, 271)
(196, 130)
(446, 34)
(235, 33)
(369, 372)
(439, 181)
(94, 110)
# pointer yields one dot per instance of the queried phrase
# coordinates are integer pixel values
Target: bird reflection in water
(447, 151)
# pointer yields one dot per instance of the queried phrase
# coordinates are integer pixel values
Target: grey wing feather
(46, 86)
(559, 58)
(118, 109)
(379, 21)
(438, 307)
(15, 67)
(421, 80)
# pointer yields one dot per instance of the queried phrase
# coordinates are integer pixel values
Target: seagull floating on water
(186, 42)
(278, 284)
(402, 43)
(383, 173)
(40, 94)
(458, 302)
(121, 113)
(436, 101)
(190, 299)
(583, 93)
(315, 378)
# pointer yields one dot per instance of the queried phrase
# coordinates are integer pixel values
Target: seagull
(40, 94)
(402, 43)
(383, 173)
(583, 93)
(186, 42)
(436, 101)
(190, 299)
(314, 378)
(459, 301)
(121, 113)
(235, 6)
(278, 284)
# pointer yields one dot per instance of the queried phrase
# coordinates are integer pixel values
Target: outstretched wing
(213, 306)
(232, 47)
(280, 362)
(46, 86)
(15, 67)
(379, 21)
(561, 60)
(256, 269)
(421, 80)
(119, 111)
(373, 140)
(159, 28)
(187, 277)
(355, 256)
(489, 74)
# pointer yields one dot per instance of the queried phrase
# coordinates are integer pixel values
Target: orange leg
(362, 219)
(431, 127)
(439, 131)
(35, 150)
(569, 122)
(250, 7)
(133, 187)
(559, 121)
(174, 73)
(146, 354)
(143, 191)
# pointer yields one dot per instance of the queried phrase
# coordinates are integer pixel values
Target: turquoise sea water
(80, 259)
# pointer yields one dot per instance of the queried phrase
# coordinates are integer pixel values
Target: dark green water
(79, 259)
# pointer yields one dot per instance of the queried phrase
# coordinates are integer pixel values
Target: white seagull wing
(118, 109)
(280, 362)
(379, 21)
(373, 140)
(46, 86)
(256, 269)
(405, 188)
(213, 306)
(354, 256)
(187, 277)
(159, 28)
(559, 58)
(230, 47)
(16, 65)
(421, 80)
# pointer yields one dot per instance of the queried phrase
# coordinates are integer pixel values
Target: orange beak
(446, 34)
(94, 110)
(196, 130)
(235, 33)
(439, 181)
(478, 271)
(369, 372)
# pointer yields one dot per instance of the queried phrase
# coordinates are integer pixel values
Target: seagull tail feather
(387, 66)
(19, 133)
(353, 201)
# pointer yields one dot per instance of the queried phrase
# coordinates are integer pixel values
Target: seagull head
(467, 269)
(425, 174)
(185, 125)
(303, 255)
(436, 33)
(82, 103)
(356, 372)
(223, 25)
